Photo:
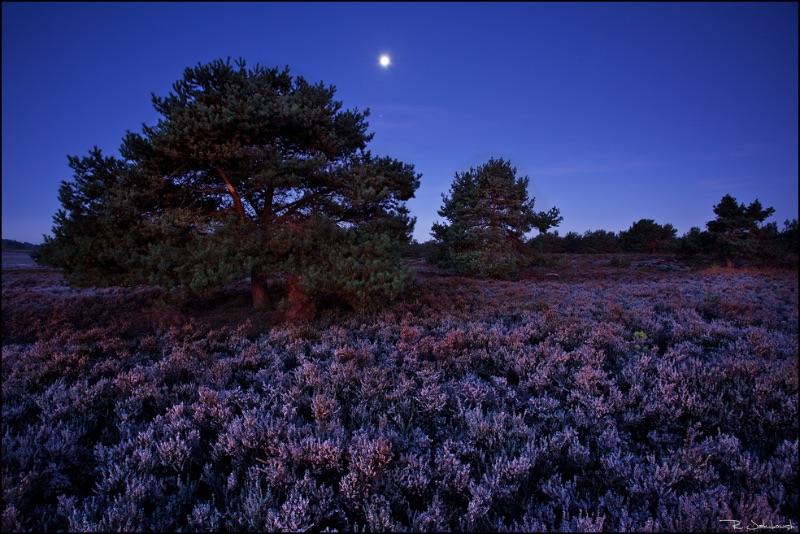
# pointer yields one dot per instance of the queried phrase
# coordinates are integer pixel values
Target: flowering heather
(663, 402)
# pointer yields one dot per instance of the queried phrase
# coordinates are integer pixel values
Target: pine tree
(247, 172)
(489, 213)
(737, 230)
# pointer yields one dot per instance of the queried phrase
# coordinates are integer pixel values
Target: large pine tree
(248, 171)
(489, 213)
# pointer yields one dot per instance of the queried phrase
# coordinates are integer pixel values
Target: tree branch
(237, 202)
(266, 213)
(292, 207)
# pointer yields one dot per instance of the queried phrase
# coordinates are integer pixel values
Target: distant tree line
(488, 214)
(738, 232)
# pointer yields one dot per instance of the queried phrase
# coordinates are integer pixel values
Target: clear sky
(616, 112)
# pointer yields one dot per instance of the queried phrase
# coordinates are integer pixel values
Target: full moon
(385, 60)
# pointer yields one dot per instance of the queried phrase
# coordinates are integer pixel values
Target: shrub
(660, 404)
(646, 235)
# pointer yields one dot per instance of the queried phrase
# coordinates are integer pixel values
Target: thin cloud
(746, 150)
(397, 116)
(718, 183)
(590, 167)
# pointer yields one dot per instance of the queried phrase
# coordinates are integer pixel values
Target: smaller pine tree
(489, 213)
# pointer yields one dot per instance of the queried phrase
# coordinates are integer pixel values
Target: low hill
(11, 244)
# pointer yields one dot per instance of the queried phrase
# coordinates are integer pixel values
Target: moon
(385, 61)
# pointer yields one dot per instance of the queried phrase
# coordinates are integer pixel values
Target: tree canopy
(489, 213)
(247, 172)
(646, 235)
(736, 231)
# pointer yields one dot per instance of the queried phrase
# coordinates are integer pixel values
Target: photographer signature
(737, 525)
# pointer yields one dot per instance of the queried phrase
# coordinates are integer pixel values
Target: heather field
(591, 395)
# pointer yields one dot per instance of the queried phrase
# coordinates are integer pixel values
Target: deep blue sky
(615, 112)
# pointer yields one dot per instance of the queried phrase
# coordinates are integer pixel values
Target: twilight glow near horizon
(616, 112)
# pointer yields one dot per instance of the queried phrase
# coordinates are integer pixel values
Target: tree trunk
(258, 290)
(301, 306)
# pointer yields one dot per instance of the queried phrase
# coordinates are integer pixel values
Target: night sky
(615, 112)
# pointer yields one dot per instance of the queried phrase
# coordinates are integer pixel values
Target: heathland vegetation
(236, 332)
